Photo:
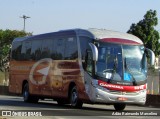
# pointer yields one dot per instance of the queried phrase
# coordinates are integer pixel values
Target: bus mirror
(94, 51)
(152, 56)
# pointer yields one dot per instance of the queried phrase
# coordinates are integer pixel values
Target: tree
(6, 38)
(145, 30)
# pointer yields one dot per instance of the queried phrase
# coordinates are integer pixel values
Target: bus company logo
(43, 71)
(110, 86)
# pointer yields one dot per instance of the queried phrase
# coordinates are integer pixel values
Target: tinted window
(84, 44)
(58, 49)
(36, 49)
(71, 50)
(16, 50)
(47, 47)
(26, 50)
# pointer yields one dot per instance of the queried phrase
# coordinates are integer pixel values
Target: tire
(27, 97)
(74, 99)
(119, 106)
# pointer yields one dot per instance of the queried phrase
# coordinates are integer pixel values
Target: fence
(153, 82)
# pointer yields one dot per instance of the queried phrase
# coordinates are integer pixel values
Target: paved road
(54, 111)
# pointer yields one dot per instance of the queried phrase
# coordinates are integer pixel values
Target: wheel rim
(74, 98)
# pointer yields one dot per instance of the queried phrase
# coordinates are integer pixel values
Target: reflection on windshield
(121, 62)
(134, 69)
(109, 63)
(133, 56)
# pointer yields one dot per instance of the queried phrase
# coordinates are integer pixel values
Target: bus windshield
(135, 63)
(123, 63)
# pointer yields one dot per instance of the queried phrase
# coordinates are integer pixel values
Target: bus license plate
(122, 99)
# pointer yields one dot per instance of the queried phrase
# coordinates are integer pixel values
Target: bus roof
(21, 38)
(97, 34)
(108, 34)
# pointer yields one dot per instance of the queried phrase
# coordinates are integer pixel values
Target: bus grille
(123, 93)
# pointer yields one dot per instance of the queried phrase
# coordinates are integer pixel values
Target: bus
(77, 66)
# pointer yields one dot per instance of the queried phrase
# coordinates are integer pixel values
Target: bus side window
(16, 50)
(71, 49)
(89, 62)
(46, 48)
(26, 50)
(36, 49)
(84, 45)
(58, 49)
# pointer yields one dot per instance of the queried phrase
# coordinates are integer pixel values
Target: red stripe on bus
(121, 88)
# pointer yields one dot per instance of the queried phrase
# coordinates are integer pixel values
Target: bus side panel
(54, 83)
(12, 84)
(20, 71)
(17, 75)
(71, 73)
(64, 72)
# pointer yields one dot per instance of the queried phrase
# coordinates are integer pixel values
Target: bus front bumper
(111, 97)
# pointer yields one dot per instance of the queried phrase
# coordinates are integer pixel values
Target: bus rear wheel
(74, 99)
(119, 106)
(26, 95)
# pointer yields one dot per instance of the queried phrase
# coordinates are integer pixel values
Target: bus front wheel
(26, 95)
(119, 106)
(74, 99)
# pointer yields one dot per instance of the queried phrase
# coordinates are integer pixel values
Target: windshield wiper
(126, 67)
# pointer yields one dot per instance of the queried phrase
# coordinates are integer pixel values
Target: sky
(54, 15)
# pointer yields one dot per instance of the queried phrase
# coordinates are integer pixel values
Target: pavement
(152, 100)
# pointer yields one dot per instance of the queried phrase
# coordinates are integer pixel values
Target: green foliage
(6, 38)
(145, 30)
